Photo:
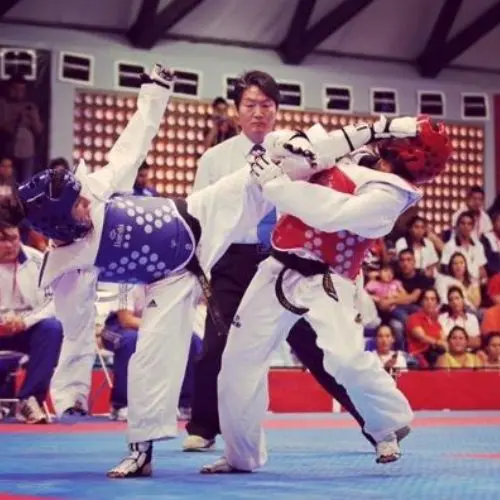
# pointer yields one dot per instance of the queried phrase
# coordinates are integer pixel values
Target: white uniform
(334, 223)
(18, 295)
(73, 375)
(73, 270)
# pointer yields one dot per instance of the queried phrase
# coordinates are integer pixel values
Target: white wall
(216, 62)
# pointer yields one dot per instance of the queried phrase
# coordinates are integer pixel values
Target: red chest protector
(343, 251)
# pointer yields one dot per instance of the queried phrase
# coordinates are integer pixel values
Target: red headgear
(424, 157)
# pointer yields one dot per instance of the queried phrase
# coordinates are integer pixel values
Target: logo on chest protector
(152, 304)
(117, 235)
(236, 322)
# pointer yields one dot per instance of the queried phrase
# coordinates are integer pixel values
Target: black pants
(230, 278)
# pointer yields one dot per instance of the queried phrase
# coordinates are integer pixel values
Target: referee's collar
(245, 144)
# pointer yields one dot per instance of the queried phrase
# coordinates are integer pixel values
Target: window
(384, 101)
(291, 94)
(431, 103)
(18, 62)
(337, 98)
(128, 75)
(76, 68)
(229, 83)
(187, 83)
(475, 106)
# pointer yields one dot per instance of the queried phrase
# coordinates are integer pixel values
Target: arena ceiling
(429, 34)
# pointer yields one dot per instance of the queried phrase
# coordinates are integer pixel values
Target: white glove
(160, 75)
(387, 128)
(263, 170)
(283, 144)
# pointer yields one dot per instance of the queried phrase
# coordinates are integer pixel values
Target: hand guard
(161, 76)
(263, 170)
(284, 144)
(387, 128)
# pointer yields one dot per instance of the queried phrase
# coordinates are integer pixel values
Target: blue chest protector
(143, 240)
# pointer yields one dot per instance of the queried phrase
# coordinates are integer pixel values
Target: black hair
(455, 289)
(59, 162)
(406, 250)
(11, 211)
(475, 189)
(255, 78)
(218, 100)
(144, 166)
(457, 328)
(467, 213)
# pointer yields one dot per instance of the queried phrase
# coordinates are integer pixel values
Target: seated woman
(457, 355)
(426, 339)
(426, 256)
(491, 352)
(384, 348)
(457, 274)
(120, 337)
(456, 315)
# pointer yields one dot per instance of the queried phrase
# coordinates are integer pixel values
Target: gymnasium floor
(312, 457)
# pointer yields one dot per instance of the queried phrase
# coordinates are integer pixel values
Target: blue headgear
(49, 215)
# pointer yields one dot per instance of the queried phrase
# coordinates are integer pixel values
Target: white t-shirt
(424, 256)
(469, 323)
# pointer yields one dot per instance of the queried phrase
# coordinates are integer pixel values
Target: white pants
(157, 367)
(73, 374)
(225, 210)
(261, 323)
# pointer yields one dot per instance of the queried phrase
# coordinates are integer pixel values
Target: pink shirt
(383, 290)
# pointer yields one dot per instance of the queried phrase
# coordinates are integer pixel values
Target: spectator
(384, 347)
(7, 171)
(457, 274)
(27, 323)
(20, 127)
(474, 204)
(468, 245)
(414, 282)
(491, 353)
(457, 355)
(120, 337)
(426, 339)
(491, 243)
(141, 187)
(426, 257)
(456, 315)
(223, 127)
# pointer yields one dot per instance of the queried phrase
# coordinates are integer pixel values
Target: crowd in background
(429, 300)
